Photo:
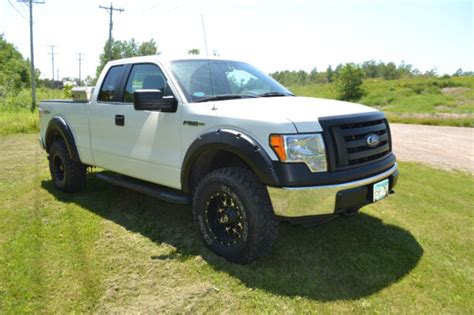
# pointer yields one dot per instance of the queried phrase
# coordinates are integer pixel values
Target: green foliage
(371, 70)
(194, 51)
(15, 113)
(14, 70)
(349, 82)
(67, 91)
(126, 49)
(422, 100)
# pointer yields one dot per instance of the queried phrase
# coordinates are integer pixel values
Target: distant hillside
(421, 100)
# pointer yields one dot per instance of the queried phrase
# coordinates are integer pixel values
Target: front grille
(347, 137)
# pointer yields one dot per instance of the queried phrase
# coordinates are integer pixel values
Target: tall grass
(16, 115)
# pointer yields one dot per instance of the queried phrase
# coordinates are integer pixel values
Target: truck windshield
(213, 80)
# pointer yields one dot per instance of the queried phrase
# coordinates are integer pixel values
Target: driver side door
(140, 144)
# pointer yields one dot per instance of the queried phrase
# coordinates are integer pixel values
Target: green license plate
(380, 190)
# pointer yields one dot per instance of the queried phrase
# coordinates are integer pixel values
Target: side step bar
(152, 190)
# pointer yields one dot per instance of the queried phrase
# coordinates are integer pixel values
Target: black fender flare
(57, 125)
(235, 142)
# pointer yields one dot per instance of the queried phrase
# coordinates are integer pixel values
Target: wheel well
(210, 161)
(53, 136)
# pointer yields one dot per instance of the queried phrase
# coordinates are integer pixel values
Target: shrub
(349, 82)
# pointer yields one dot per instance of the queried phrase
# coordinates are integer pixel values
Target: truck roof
(161, 59)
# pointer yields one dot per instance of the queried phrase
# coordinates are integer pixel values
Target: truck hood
(303, 112)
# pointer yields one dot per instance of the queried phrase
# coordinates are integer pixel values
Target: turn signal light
(278, 145)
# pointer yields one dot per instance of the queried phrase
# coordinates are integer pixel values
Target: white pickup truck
(226, 138)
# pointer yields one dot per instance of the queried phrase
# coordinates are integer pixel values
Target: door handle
(120, 120)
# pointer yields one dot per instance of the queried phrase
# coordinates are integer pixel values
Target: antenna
(204, 35)
(207, 54)
(111, 10)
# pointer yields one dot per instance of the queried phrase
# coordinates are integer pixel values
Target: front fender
(245, 147)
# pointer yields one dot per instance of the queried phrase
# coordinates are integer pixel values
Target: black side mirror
(154, 100)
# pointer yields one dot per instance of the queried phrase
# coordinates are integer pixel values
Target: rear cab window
(111, 84)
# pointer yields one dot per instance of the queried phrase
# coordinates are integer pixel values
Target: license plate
(380, 190)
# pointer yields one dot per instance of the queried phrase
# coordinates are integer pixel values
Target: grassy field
(429, 101)
(112, 250)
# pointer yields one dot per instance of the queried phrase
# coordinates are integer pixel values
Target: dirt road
(444, 147)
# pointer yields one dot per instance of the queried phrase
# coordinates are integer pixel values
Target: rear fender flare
(58, 126)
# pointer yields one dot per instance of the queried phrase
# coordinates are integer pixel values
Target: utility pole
(32, 61)
(80, 61)
(52, 53)
(111, 9)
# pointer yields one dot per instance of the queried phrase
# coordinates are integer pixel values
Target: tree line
(370, 69)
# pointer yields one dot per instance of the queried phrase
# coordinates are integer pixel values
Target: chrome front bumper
(309, 201)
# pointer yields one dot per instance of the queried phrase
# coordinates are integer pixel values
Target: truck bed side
(76, 116)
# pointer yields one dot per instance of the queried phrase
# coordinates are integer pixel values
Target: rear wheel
(67, 175)
(234, 215)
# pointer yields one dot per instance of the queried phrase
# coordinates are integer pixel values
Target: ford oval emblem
(372, 140)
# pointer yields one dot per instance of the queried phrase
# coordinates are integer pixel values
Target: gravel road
(445, 147)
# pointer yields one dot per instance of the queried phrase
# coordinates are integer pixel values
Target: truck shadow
(345, 259)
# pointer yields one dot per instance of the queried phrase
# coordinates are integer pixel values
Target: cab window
(110, 84)
(145, 77)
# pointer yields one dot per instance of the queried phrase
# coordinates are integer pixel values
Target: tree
(330, 74)
(371, 68)
(126, 49)
(148, 48)
(194, 51)
(390, 72)
(458, 73)
(313, 75)
(14, 70)
(349, 82)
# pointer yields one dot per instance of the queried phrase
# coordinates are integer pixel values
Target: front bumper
(294, 202)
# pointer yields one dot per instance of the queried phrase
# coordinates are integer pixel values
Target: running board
(152, 190)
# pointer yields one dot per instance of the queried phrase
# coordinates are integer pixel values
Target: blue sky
(271, 34)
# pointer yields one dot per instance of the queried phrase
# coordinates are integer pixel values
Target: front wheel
(234, 215)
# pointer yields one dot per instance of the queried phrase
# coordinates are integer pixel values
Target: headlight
(306, 148)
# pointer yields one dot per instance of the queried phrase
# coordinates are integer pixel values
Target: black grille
(347, 139)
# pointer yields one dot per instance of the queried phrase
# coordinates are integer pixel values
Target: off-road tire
(250, 198)
(67, 175)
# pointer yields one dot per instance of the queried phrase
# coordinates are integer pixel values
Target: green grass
(111, 250)
(15, 113)
(430, 101)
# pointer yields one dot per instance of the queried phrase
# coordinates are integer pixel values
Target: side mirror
(154, 100)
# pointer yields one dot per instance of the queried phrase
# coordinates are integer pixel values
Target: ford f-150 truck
(226, 138)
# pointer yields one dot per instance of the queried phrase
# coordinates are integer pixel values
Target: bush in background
(349, 82)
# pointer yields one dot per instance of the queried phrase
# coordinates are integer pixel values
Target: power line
(52, 53)
(111, 9)
(32, 61)
(18, 11)
(80, 63)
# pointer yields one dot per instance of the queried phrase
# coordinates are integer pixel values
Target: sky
(270, 34)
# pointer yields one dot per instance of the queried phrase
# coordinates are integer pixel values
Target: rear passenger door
(141, 144)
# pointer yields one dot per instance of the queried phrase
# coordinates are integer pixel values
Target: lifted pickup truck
(227, 138)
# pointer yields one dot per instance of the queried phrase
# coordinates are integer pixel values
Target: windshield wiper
(224, 97)
(272, 94)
